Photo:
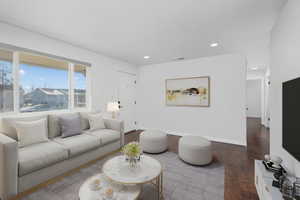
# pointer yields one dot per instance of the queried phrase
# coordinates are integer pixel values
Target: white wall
(257, 51)
(224, 120)
(254, 92)
(256, 74)
(285, 65)
(104, 69)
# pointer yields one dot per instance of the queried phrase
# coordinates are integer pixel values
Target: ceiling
(161, 29)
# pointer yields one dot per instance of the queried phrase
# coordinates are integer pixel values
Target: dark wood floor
(238, 160)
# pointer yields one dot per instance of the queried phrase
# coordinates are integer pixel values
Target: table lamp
(113, 107)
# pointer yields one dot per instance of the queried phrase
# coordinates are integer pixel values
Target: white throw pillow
(96, 121)
(32, 132)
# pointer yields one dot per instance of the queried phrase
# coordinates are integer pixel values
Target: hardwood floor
(238, 160)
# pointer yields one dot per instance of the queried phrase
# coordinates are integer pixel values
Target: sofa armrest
(8, 167)
(116, 125)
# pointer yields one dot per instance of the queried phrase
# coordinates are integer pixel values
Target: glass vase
(132, 162)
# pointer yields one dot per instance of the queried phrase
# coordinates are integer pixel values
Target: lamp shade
(112, 106)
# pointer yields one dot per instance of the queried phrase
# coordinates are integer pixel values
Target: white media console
(263, 183)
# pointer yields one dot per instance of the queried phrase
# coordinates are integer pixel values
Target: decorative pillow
(70, 125)
(32, 132)
(8, 126)
(54, 124)
(85, 125)
(96, 121)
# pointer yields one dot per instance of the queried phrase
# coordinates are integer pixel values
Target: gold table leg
(159, 185)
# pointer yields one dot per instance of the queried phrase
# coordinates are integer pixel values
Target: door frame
(134, 75)
(265, 93)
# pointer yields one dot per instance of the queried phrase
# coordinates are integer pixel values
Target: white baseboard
(215, 139)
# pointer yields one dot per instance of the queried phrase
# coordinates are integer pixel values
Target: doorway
(254, 99)
(257, 100)
(127, 100)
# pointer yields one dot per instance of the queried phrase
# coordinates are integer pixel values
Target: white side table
(148, 170)
(121, 192)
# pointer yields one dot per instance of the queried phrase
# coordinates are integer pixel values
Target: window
(79, 86)
(44, 83)
(33, 82)
(6, 82)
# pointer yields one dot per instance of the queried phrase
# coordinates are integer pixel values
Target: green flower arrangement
(132, 149)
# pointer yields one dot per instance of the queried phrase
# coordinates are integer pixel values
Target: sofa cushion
(7, 125)
(32, 132)
(78, 144)
(96, 122)
(38, 156)
(70, 125)
(53, 124)
(106, 136)
(85, 119)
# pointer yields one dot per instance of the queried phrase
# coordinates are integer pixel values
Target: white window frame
(71, 83)
(88, 89)
(16, 81)
(71, 86)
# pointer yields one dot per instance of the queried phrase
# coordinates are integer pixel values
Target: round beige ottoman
(195, 150)
(154, 141)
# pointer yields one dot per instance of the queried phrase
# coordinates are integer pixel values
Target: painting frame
(187, 78)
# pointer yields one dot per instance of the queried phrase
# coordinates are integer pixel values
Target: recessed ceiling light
(146, 57)
(215, 44)
(179, 58)
(254, 68)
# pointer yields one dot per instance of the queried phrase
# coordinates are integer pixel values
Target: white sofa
(26, 167)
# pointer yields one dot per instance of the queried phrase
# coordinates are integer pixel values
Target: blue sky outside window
(33, 77)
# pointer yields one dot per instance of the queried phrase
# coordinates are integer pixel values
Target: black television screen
(291, 117)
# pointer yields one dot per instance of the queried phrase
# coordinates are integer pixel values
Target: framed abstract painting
(193, 91)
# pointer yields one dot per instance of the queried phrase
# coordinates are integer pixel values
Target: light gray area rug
(181, 182)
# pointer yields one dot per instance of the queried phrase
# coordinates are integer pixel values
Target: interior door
(127, 100)
(254, 98)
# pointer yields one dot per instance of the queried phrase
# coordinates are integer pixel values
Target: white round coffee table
(121, 191)
(148, 170)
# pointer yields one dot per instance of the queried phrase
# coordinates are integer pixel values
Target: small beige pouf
(154, 141)
(195, 150)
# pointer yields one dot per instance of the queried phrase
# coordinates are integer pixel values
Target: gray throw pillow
(70, 125)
